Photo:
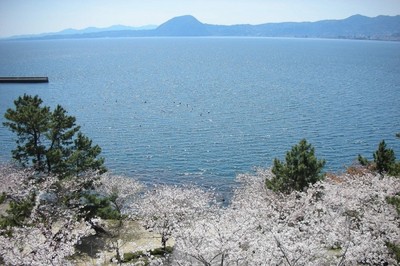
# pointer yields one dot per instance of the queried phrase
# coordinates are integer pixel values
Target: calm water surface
(202, 110)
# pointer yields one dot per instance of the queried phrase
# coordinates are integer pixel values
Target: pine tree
(50, 141)
(30, 121)
(62, 129)
(384, 158)
(84, 156)
(300, 170)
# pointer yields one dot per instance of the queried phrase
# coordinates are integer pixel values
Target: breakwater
(24, 79)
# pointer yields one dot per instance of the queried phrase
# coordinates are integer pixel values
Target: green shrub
(141, 256)
(96, 205)
(17, 212)
(395, 200)
(130, 256)
(395, 250)
(363, 161)
(161, 251)
(3, 197)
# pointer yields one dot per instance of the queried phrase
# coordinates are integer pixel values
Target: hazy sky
(38, 16)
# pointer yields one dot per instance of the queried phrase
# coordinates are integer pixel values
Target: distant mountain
(112, 28)
(354, 27)
(183, 26)
(67, 32)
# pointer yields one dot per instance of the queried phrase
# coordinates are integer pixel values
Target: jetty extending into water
(24, 79)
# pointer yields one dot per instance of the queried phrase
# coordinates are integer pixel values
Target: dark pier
(24, 79)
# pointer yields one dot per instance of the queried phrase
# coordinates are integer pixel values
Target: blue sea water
(202, 110)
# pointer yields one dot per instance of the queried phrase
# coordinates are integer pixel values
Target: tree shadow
(92, 245)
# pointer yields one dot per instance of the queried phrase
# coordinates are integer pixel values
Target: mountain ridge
(71, 31)
(353, 27)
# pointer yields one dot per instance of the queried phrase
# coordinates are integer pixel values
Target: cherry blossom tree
(340, 221)
(48, 232)
(343, 220)
(43, 244)
(15, 182)
(165, 208)
(122, 191)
